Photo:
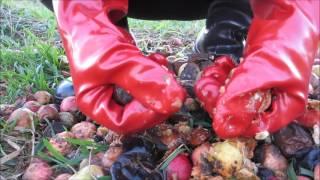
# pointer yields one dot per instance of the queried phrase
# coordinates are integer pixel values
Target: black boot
(226, 28)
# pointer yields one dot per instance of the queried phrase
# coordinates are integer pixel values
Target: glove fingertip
(177, 100)
(207, 91)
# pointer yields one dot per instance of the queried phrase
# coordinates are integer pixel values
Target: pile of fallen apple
(182, 148)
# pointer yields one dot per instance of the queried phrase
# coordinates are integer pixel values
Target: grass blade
(174, 154)
(56, 154)
(291, 173)
(86, 144)
(105, 178)
(306, 172)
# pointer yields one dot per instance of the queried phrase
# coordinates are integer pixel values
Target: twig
(33, 139)
(12, 144)
(10, 156)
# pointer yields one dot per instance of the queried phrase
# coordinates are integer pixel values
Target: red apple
(43, 97)
(84, 130)
(47, 111)
(200, 151)
(69, 104)
(67, 119)
(111, 155)
(311, 115)
(316, 173)
(199, 135)
(60, 144)
(38, 170)
(32, 105)
(179, 168)
(64, 176)
(23, 117)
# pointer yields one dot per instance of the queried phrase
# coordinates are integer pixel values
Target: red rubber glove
(101, 55)
(281, 45)
(208, 87)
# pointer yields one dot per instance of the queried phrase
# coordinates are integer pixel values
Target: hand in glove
(101, 55)
(281, 45)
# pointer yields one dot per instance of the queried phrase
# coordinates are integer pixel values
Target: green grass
(30, 57)
(185, 28)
